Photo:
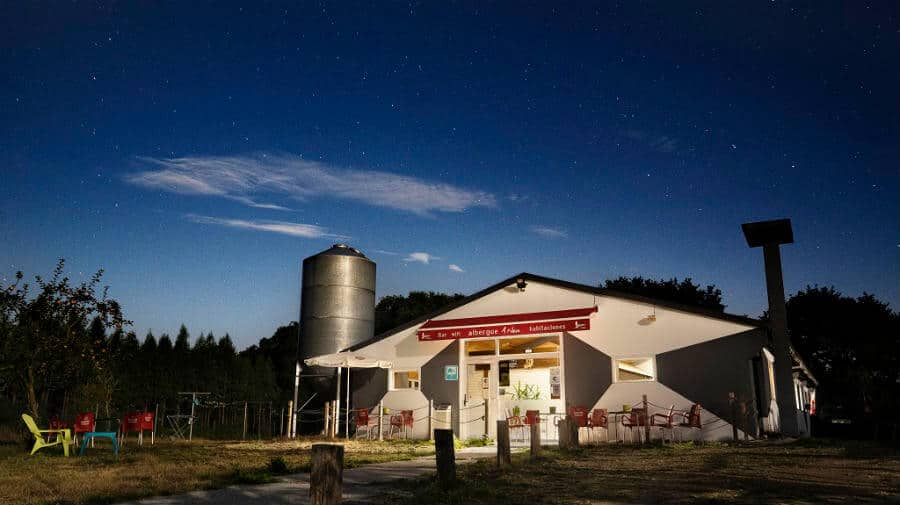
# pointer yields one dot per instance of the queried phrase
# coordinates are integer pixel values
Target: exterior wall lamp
(520, 283)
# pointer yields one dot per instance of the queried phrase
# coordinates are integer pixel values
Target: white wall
(630, 393)
(619, 329)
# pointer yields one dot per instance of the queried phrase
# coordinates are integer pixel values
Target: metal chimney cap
(341, 250)
(761, 233)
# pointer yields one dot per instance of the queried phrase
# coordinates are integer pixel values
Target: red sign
(506, 330)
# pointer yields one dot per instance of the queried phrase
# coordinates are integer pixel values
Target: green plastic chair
(63, 436)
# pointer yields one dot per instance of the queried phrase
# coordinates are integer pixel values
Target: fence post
(535, 440)
(646, 420)
(327, 431)
(380, 420)
(445, 458)
(430, 413)
(562, 430)
(153, 433)
(503, 456)
(485, 417)
(326, 474)
(244, 432)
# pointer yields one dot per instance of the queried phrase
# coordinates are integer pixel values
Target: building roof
(701, 311)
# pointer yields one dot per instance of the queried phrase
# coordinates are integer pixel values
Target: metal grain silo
(337, 301)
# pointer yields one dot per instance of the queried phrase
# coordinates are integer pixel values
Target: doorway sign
(451, 373)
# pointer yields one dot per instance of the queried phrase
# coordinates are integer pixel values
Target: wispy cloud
(420, 257)
(386, 253)
(548, 232)
(282, 227)
(253, 179)
(455, 268)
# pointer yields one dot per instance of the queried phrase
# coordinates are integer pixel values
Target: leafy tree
(673, 290)
(395, 310)
(43, 333)
(852, 346)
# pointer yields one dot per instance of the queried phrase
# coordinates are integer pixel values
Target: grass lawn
(168, 467)
(799, 473)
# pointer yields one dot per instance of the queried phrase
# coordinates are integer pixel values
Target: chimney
(770, 235)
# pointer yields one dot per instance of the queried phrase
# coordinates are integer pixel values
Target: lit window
(635, 369)
(528, 345)
(480, 347)
(406, 379)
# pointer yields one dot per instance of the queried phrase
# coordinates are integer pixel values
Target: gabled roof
(749, 321)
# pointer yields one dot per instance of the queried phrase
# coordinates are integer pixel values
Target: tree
(395, 310)
(684, 292)
(852, 346)
(43, 333)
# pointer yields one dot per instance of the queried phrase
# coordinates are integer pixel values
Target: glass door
(480, 391)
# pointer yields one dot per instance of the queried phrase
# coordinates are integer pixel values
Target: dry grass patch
(169, 467)
(801, 473)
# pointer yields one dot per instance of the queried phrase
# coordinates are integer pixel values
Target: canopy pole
(347, 418)
(337, 402)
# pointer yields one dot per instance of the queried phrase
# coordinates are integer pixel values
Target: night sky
(198, 152)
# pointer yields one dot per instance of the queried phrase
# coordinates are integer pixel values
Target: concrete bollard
(326, 475)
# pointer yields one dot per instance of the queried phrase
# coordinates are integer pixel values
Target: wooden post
(573, 432)
(733, 405)
(152, 433)
(327, 431)
(535, 440)
(503, 455)
(646, 420)
(244, 433)
(326, 474)
(486, 419)
(430, 415)
(380, 420)
(445, 458)
(290, 418)
(336, 421)
(562, 429)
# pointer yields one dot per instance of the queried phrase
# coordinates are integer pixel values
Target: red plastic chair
(84, 423)
(56, 424)
(396, 422)
(363, 422)
(407, 422)
(532, 417)
(691, 419)
(147, 424)
(580, 414)
(664, 422)
(131, 422)
(637, 418)
(599, 420)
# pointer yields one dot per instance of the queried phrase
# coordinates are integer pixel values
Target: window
(635, 369)
(528, 345)
(406, 379)
(480, 347)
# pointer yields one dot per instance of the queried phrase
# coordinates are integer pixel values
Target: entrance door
(478, 405)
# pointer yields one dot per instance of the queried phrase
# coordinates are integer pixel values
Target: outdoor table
(99, 434)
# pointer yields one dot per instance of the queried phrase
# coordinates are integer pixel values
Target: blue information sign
(451, 373)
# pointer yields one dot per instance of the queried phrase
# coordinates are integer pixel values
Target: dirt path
(361, 485)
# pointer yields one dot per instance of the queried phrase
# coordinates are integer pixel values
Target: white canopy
(346, 360)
